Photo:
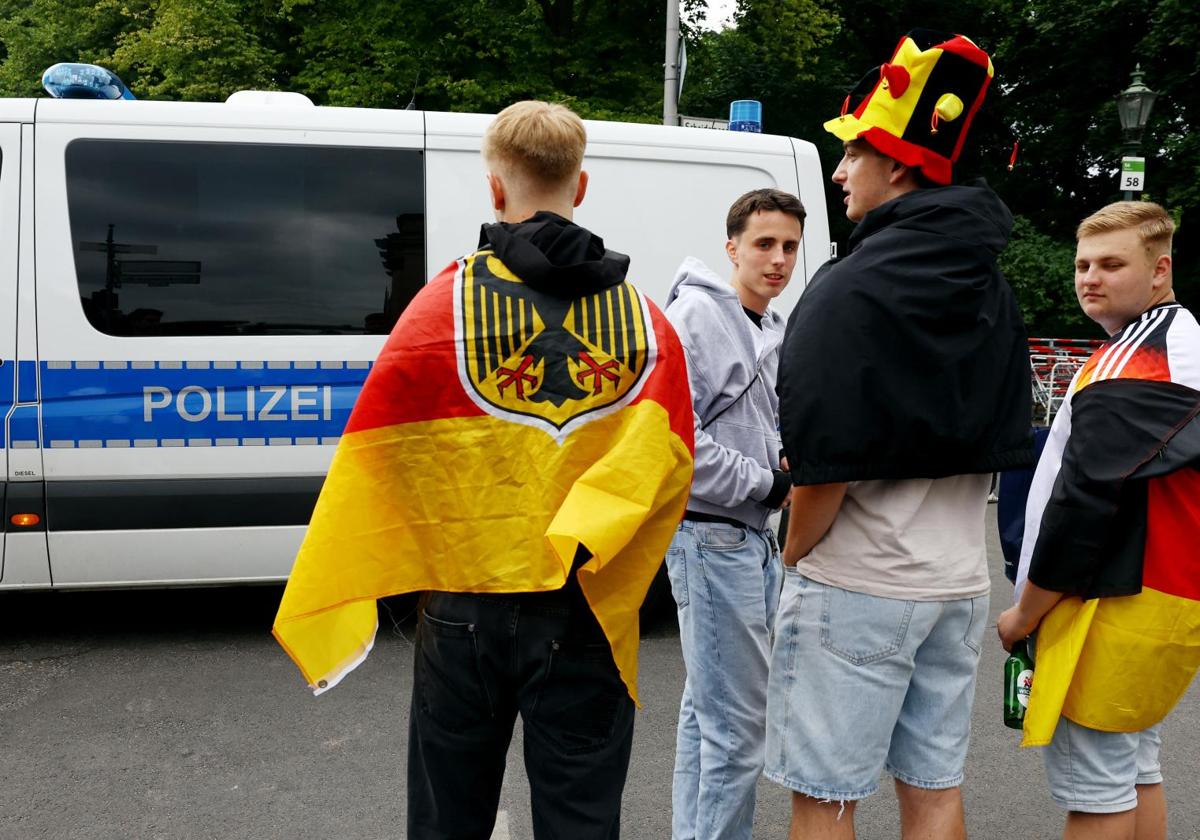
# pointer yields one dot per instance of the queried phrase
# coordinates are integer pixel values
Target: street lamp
(1133, 108)
(671, 66)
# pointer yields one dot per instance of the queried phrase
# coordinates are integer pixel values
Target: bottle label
(1024, 686)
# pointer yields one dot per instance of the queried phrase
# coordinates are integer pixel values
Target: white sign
(1133, 174)
(704, 122)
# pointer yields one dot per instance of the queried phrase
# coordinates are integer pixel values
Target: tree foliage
(773, 54)
(182, 49)
(1040, 270)
(603, 56)
(480, 56)
(37, 33)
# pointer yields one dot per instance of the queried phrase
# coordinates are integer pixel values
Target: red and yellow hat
(921, 105)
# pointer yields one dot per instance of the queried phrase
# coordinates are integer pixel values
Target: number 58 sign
(1133, 174)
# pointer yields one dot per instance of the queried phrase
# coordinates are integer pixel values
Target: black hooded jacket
(555, 256)
(908, 358)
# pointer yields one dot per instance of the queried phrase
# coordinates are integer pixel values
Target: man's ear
(582, 189)
(731, 249)
(1162, 272)
(900, 172)
(496, 188)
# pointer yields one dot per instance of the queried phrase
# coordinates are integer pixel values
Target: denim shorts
(861, 683)
(1096, 772)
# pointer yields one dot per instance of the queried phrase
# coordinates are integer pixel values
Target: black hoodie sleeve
(781, 485)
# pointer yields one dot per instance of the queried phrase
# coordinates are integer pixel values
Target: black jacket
(908, 358)
(555, 256)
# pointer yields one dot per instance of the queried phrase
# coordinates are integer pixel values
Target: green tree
(1060, 65)
(775, 53)
(35, 34)
(1041, 272)
(175, 49)
(604, 56)
(182, 49)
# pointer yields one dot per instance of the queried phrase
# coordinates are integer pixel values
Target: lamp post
(671, 66)
(1133, 108)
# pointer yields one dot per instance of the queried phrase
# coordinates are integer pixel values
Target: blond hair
(1154, 227)
(540, 142)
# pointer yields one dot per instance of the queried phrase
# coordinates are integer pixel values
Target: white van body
(162, 437)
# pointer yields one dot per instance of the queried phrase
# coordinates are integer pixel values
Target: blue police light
(83, 81)
(745, 115)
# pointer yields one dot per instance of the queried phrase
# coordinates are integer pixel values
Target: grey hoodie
(736, 452)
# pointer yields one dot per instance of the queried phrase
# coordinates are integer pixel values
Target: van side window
(239, 239)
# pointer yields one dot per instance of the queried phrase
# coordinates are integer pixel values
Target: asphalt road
(173, 715)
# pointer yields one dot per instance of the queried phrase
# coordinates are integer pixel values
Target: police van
(191, 295)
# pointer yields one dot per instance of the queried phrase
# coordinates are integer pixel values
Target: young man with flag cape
(521, 452)
(1110, 572)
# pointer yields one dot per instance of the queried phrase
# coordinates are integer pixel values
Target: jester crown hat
(921, 103)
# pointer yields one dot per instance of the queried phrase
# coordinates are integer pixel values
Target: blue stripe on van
(8, 372)
(116, 404)
(23, 427)
(26, 382)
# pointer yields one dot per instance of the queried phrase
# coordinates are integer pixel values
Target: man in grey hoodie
(724, 561)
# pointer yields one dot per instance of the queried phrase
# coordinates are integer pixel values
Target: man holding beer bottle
(1109, 574)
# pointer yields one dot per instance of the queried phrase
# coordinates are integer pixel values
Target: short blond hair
(542, 141)
(1153, 225)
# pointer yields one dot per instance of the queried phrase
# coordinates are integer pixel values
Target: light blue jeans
(1097, 772)
(726, 584)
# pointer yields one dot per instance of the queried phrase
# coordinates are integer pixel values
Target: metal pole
(671, 66)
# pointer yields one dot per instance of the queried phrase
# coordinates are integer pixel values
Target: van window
(240, 239)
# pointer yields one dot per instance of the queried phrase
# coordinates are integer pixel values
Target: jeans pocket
(449, 677)
(973, 638)
(862, 628)
(719, 537)
(581, 698)
(677, 573)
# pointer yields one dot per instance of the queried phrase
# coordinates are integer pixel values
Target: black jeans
(481, 660)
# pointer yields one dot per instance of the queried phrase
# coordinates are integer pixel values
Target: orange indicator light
(25, 520)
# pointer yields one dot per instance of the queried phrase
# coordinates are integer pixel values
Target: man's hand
(1015, 623)
(783, 465)
(790, 558)
(1013, 626)
(814, 507)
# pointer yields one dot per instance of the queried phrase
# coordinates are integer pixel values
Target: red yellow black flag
(1117, 533)
(499, 430)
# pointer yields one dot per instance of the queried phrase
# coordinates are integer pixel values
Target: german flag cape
(500, 429)
(1115, 513)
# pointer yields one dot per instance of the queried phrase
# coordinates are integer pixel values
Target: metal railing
(1054, 363)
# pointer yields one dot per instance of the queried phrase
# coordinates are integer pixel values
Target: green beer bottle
(1018, 680)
